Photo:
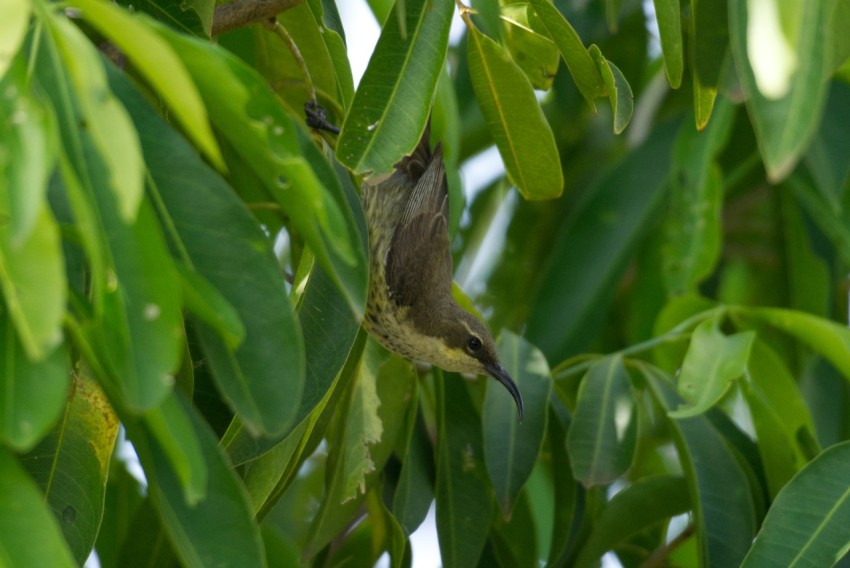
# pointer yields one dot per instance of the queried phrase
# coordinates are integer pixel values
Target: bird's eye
(474, 343)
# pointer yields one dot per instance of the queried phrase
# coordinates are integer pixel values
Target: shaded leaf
(648, 501)
(415, 490)
(243, 270)
(29, 535)
(511, 447)
(220, 528)
(667, 13)
(710, 40)
(807, 523)
(207, 304)
(602, 436)
(463, 493)
(719, 489)
(393, 100)
(32, 394)
(71, 465)
(712, 362)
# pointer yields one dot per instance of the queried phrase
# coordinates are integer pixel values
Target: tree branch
(241, 13)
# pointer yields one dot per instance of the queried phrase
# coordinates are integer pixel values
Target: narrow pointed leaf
(464, 496)
(619, 91)
(603, 433)
(807, 523)
(159, 65)
(32, 394)
(393, 100)
(514, 119)
(263, 377)
(712, 362)
(415, 490)
(667, 13)
(823, 336)
(785, 113)
(511, 447)
(719, 489)
(71, 465)
(29, 534)
(578, 59)
(709, 30)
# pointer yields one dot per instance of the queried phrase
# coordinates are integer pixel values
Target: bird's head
(470, 349)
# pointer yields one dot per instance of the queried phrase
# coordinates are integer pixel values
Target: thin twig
(241, 13)
(660, 555)
(283, 34)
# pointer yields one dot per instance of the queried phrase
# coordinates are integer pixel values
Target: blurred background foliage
(664, 257)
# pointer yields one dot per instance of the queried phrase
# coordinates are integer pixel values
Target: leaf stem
(283, 34)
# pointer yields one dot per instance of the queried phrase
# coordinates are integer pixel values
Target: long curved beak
(500, 374)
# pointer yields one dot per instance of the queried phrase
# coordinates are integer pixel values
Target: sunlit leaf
(515, 119)
(393, 100)
(72, 463)
(712, 362)
(806, 525)
(14, 16)
(602, 435)
(159, 65)
(527, 40)
(785, 108)
(619, 91)
(667, 13)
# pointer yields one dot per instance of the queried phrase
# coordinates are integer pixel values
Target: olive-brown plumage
(410, 309)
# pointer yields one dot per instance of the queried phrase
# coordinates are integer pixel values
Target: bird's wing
(419, 263)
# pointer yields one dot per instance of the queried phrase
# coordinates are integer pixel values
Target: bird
(410, 309)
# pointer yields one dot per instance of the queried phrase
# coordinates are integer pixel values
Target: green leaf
(528, 42)
(667, 13)
(71, 465)
(250, 116)
(598, 239)
(514, 119)
(154, 59)
(134, 325)
(511, 447)
(366, 435)
(823, 336)
(785, 101)
(393, 100)
(781, 420)
(568, 495)
(463, 493)
(693, 223)
(217, 530)
(709, 30)
(28, 159)
(175, 436)
(32, 394)
(249, 377)
(207, 304)
(807, 523)
(29, 535)
(618, 89)
(105, 119)
(415, 490)
(32, 277)
(14, 18)
(602, 436)
(712, 362)
(648, 501)
(578, 59)
(719, 489)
